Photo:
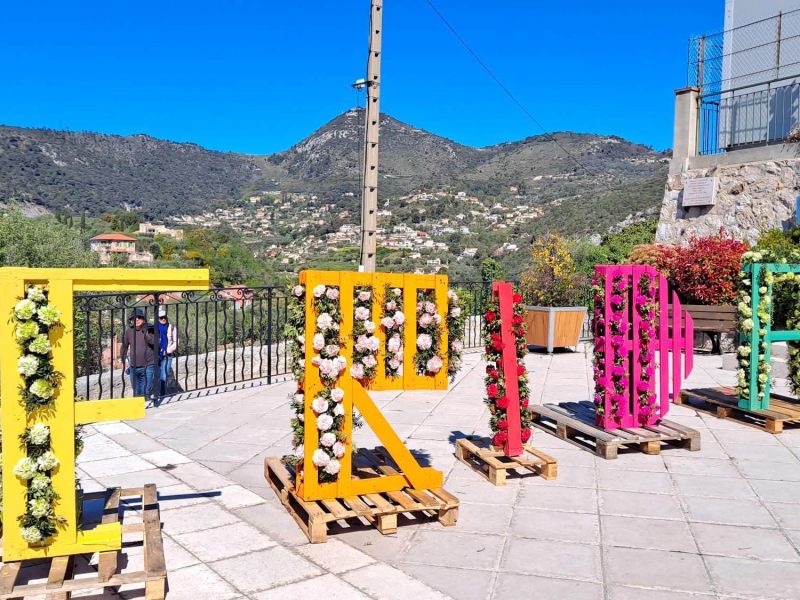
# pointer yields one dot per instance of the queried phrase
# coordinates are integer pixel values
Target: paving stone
(478, 487)
(199, 582)
(227, 452)
(708, 467)
(656, 568)
(236, 496)
(100, 447)
(180, 495)
(754, 469)
(555, 525)
(138, 442)
(328, 587)
(743, 542)
(510, 585)
(335, 556)
(387, 583)
(119, 464)
(728, 511)
(556, 559)
(713, 487)
(633, 460)
(447, 548)
(176, 556)
(654, 534)
(224, 542)
(113, 428)
(272, 518)
(384, 548)
(165, 458)
(582, 477)
(199, 477)
(195, 518)
(617, 592)
(786, 514)
(626, 481)
(657, 506)
(778, 454)
(138, 478)
(257, 571)
(559, 498)
(481, 518)
(463, 584)
(750, 436)
(777, 491)
(755, 577)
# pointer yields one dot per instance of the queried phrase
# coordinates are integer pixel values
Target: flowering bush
(704, 272)
(428, 359)
(393, 323)
(456, 319)
(496, 377)
(553, 278)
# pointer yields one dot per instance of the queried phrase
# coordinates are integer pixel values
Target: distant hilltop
(75, 171)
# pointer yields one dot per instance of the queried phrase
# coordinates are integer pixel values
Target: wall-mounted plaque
(700, 191)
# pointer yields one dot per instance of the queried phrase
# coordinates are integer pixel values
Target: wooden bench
(714, 321)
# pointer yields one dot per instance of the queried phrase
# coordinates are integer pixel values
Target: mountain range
(603, 180)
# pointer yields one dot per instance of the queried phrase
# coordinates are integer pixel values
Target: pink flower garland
(647, 308)
(618, 385)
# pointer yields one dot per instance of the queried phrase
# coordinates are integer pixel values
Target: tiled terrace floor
(720, 523)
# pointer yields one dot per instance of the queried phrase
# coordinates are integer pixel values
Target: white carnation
(338, 449)
(320, 458)
(319, 291)
(319, 405)
(324, 422)
(333, 467)
(327, 439)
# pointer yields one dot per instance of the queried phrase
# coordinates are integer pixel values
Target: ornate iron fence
(225, 336)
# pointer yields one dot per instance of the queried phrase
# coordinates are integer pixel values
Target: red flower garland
(496, 400)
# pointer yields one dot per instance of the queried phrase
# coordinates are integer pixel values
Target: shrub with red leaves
(707, 271)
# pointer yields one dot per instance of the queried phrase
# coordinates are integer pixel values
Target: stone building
(735, 165)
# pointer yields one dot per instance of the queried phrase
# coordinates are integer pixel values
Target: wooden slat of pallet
(60, 584)
(493, 464)
(727, 406)
(8, 576)
(107, 561)
(337, 510)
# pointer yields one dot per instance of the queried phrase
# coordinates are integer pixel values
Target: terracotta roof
(114, 237)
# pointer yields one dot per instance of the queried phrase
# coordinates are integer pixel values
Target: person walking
(138, 354)
(168, 344)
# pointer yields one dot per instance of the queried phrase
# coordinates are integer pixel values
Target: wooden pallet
(381, 510)
(494, 465)
(574, 422)
(723, 402)
(62, 580)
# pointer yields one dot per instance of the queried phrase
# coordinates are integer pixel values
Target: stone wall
(751, 198)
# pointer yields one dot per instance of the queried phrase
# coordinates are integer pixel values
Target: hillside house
(152, 229)
(111, 245)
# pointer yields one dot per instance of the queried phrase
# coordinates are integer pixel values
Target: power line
(496, 79)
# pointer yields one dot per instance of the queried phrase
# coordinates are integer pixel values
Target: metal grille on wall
(747, 78)
(225, 336)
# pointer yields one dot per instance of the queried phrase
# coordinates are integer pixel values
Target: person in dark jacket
(138, 354)
(168, 336)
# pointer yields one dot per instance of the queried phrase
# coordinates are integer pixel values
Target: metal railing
(748, 55)
(225, 336)
(748, 117)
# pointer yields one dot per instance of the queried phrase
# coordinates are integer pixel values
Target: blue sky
(257, 76)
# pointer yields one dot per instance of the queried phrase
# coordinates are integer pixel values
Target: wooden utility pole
(369, 194)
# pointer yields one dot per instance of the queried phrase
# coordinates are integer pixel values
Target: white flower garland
(34, 319)
(428, 359)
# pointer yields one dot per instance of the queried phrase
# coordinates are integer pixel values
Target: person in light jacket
(168, 335)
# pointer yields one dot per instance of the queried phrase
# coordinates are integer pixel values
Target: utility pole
(369, 193)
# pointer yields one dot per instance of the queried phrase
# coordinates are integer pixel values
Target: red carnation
(502, 424)
(526, 434)
(499, 438)
(498, 345)
(491, 390)
(520, 369)
(502, 402)
(495, 336)
(494, 374)
(490, 316)
(517, 320)
(517, 298)
(524, 403)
